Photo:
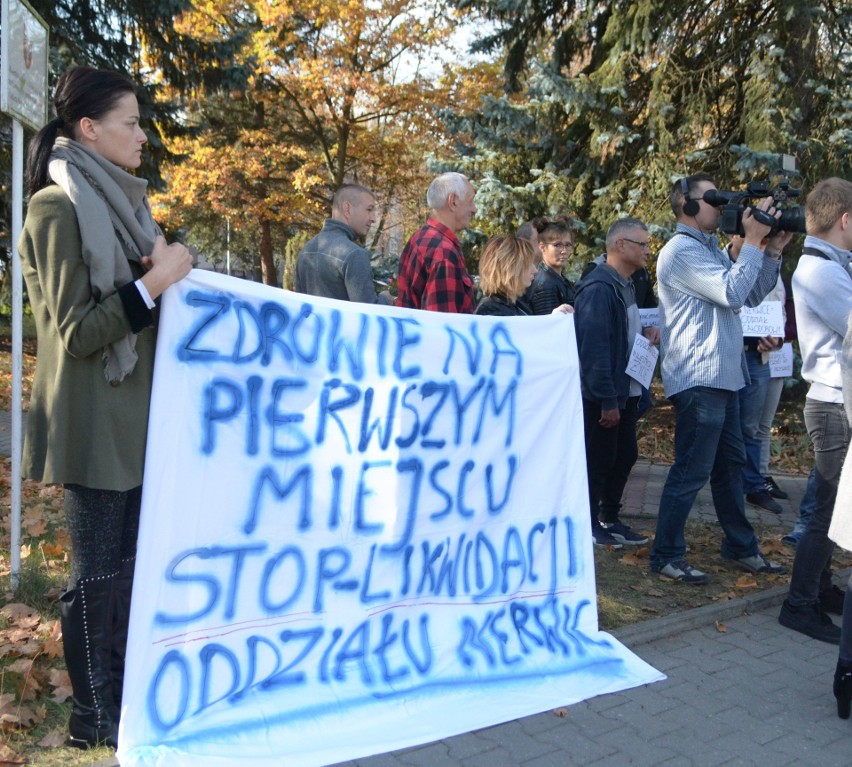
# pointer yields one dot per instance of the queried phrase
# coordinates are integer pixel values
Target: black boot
(120, 621)
(86, 614)
(843, 688)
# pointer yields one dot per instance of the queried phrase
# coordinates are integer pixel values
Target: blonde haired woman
(507, 268)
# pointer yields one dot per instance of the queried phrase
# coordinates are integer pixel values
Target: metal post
(17, 343)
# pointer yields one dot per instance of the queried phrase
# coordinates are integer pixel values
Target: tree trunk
(267, 264)
(797, 35)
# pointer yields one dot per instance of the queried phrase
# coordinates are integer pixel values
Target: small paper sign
(764, 320)
(650, 317)
(781, 362)
(643, 360)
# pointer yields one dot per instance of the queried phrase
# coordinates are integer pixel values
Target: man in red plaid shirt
(432, 274)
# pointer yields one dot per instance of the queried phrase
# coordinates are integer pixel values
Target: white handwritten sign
(764, 320)
(642, 361)
(781, 362)
(650, 317)
(362, 529)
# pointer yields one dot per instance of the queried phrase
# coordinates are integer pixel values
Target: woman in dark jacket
(94, 261)
(550, 289)
(506, 269)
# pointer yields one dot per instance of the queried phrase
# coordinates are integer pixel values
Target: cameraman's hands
(754, 231)
(166, 265)
(777, 243)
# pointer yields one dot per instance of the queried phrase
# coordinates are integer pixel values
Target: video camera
(734, 204)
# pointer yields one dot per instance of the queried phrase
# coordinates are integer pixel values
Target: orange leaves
(20, 615)
(635, 558)
(8, 756)
(746, 582)
(34, 643)
(61, 684)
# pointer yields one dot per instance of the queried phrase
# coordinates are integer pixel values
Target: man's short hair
(533, 226)
(828, 201)
(505, 264)
(525, 231)
(348, 193)
(443, 186)
(677, 199)
(619, 230)
(553, 230)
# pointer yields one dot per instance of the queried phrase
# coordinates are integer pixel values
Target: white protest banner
(363, 528)
(781, 362)
(642, 361)
(767, 319)
(650, 317)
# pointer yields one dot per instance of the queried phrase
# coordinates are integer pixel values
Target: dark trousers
(610, 455)
(829, 431)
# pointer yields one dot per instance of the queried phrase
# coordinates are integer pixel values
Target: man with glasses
(607, 321)
(645, 297)
(550, 288)
(701, 294)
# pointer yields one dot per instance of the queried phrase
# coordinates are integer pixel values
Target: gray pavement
(753, 693)
(756, 694)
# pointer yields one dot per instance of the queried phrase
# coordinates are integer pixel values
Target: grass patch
(39, 585)
(628, 592)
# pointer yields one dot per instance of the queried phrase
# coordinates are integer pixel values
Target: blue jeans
(808, 503)
(708, 445)
(752, 399)
(829, 431)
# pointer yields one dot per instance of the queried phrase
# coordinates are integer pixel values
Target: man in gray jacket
(333, 264)
(822, 292)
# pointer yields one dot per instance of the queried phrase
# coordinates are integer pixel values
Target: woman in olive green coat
(94, 262)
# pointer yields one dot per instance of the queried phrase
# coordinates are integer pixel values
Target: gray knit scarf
(112, 210)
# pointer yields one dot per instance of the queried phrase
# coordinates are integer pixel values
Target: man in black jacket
(607, 321)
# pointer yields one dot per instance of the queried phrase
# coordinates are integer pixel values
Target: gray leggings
(103, 525)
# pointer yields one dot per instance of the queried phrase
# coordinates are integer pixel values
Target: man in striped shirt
(701, 294)
(432, 273)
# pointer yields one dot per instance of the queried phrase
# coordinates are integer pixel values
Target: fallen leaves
(22, 717)
(637, 558)
(8, 756)
(746, 582)
(53, 739)
(721, 627)
(560, 712)
(33, 643)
